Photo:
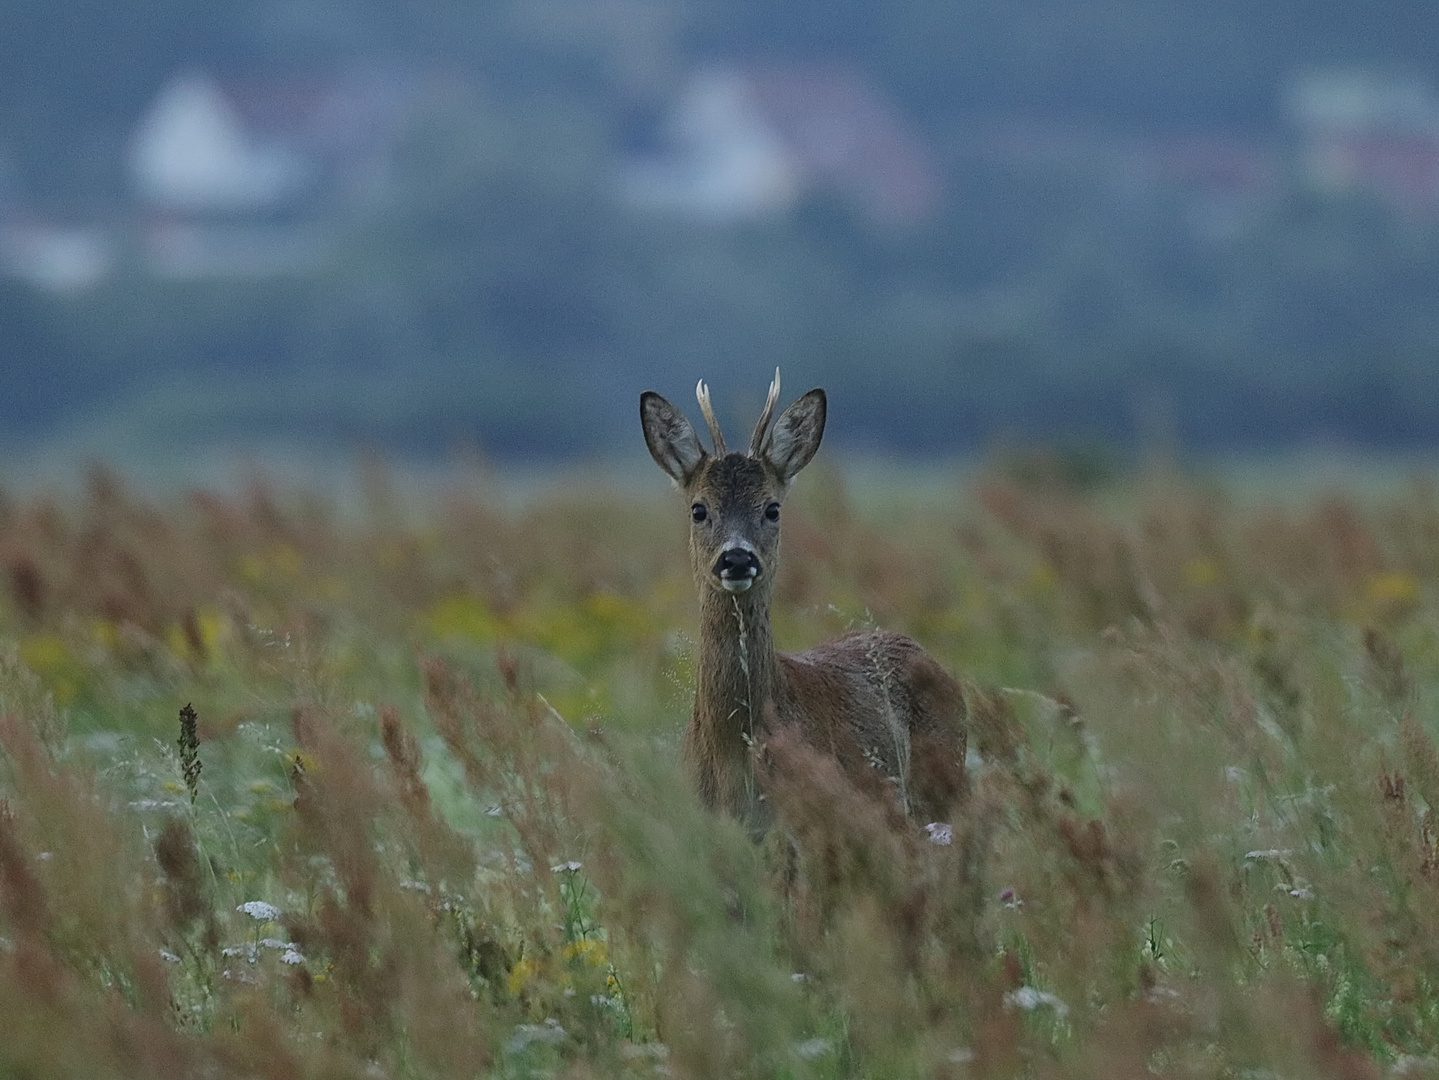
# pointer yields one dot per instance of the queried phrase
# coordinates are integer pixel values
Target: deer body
(875, 701)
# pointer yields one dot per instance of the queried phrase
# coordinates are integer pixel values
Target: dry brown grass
(436, 827)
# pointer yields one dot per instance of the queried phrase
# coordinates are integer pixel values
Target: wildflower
(1392, 587)
(1202, 570)
(813, 1048)
(462, 616)
(105, 633)
(587, 949)
(1029, 999)
(259, 910)
(292, 956)
(940, 833)
(1010, 899)
(566, 867)
(525, 971)
(524, 1034)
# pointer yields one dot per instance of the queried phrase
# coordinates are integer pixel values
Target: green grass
(435, 822)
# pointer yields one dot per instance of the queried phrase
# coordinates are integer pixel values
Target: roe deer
(875, 701)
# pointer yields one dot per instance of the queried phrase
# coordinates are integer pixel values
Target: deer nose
(737, 568)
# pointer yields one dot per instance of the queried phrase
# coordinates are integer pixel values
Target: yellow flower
(283, 560)
(214, 627)
(176, 641)
(44, 652)
(49, 656)
(588, 950)
(525, 971)
(462, 616)
(1202, 570)
(1392, 587)
(105, 633)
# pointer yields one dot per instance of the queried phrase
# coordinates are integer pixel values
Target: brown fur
(874, 701)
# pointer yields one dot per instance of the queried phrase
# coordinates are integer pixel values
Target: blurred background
(322, 225)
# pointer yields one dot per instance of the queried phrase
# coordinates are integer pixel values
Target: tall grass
(425, 818)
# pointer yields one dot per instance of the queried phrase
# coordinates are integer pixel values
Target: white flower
(259, 910)
(524, 1034)
(813, 1048)
(291, 956)
(1028, 999)
(571, 867)
(169, 957)
(940, 833)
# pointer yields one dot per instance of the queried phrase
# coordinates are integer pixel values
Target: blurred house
(1368, 132)
(743, 142)
(235, 177)
(54, 255)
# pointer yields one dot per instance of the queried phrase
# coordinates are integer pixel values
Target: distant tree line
(506, 296)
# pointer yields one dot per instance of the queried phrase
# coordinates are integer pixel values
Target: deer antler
(761, 429)
(702, 392)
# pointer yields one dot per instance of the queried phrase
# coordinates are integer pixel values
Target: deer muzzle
(737, 568)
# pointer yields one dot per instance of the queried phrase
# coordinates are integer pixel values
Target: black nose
(737, 563)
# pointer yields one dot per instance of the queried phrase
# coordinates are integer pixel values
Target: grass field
(427, 817)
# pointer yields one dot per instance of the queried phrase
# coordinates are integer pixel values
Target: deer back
(886, 710)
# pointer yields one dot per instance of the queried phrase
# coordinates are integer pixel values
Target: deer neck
(738, 671)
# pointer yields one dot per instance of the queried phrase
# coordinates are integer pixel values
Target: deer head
(734, 498)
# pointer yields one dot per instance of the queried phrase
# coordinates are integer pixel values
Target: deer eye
(771, 512)
(698, 512)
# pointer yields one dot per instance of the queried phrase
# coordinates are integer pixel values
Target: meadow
(295, 789)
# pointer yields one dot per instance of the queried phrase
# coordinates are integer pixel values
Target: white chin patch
(736, 585)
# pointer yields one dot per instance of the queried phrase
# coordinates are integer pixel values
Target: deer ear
(672, 441)
(796, 435)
